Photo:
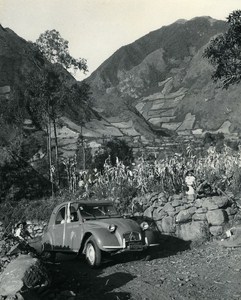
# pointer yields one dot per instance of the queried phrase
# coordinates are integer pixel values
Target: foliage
(110, 151)
(220, 169)
(78, 101)
(32, 143)
(11, 124)
(12, 212)
(224, 52)
(56, 50)
(83, 154)
(69, 165)
(212, 139)
(44, 95)
(121, 183)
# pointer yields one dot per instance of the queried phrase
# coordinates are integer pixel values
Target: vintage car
(93, 228)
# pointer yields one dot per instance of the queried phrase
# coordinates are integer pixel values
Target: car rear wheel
(92, 253)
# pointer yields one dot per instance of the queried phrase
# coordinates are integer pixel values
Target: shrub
(40, 210)
(111, 150)
(121, 183)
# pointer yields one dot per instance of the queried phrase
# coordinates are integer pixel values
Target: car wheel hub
(90, 253)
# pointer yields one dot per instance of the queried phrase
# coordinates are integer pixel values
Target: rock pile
(21, 269)
(189, 219)
(36, 228)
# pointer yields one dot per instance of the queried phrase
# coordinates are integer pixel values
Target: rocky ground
(206, 271)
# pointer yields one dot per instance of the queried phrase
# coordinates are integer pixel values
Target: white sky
(95, 29)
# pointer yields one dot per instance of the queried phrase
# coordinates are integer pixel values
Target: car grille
(132, 236)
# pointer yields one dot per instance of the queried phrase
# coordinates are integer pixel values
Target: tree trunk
(56, 151)
(83, 148)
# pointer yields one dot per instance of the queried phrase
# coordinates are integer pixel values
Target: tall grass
(220, 169)
(120, 183)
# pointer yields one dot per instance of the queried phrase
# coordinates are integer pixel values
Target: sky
(95, 29)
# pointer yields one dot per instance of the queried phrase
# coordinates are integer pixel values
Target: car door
(74, 228)
(59, 228)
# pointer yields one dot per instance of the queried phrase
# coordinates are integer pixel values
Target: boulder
(201, 210)
(234, 240)
(192, 231)
(183, 216)
(148, 212)
(177, 197)
(24, 270)
(168, 225)
(153, 197)
(209, 204)
(162, 200)
(199, 217)
(168, 208)
(158, 214)
(216, 217)
(176, 203)
(161, 195)
(187, 205)
(159, 225)
(215, 202)
(198, 203)
(192, 210)
(216, 230)
(179, 208)
(231, 211)
(220, 201)
(156, 204)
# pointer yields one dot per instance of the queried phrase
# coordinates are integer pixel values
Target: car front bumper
(130, 246)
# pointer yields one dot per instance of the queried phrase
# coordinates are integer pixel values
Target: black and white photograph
(120, 150)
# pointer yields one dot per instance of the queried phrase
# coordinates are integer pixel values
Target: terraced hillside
(154, 92)
(165, 78)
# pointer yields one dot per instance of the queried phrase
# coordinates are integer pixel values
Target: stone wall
(189, 219)
(177, 215)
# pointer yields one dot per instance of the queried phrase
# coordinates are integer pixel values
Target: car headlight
(144, 226)
(112, 227)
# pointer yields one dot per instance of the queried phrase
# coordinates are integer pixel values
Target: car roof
(84, 202)
(93, 202)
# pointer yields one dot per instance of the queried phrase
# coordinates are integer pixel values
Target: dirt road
(204, 272)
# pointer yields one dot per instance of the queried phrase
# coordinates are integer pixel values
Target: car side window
(60, 218)
(73, 213)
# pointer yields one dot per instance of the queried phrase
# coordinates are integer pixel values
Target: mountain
(23, 146)
(22, 143)
(164, 79)
(156, 93)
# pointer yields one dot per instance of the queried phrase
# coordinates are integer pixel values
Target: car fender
(103, 238)
(151, 237)
(47, 241)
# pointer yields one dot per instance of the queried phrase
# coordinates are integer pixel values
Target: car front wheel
(93, 253)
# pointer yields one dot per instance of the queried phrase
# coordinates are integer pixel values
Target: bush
(121, 183)
(40, 210)
(111, 150)
(214, 139)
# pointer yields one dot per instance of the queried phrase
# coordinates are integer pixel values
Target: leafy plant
(56, 50)
(224, 52)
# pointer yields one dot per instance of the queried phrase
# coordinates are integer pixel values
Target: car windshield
(98, 211)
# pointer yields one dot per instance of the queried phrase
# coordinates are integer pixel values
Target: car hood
(123, 225)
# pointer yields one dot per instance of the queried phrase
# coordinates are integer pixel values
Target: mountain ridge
(143, 68)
